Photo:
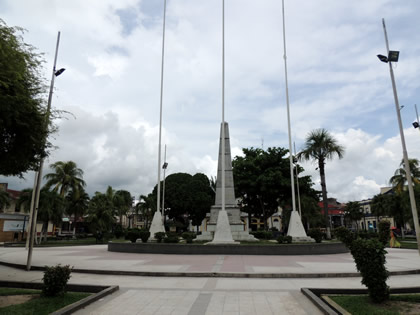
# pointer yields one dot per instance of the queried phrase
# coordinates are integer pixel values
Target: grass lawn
(39, 305)
(361, 305)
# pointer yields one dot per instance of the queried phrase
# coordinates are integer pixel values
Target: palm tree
(66, 177)
(399, 180)
(122, 201)
(100, 215)
(321, 146)
(50, 208)
(77, 204)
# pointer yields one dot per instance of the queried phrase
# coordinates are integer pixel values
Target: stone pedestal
(156, 226)
(222, 234)
(237, 227)
(296, 230)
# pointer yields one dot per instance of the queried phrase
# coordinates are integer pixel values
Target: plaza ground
(205, 295)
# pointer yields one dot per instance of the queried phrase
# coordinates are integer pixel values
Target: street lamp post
(417, 123)
(38, 174)
(393, 57)
(164, 166)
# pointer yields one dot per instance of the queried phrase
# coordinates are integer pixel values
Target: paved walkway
(203, 295)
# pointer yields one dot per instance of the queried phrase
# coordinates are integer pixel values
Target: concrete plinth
(156, 226)
(296, 230)
(222, 234)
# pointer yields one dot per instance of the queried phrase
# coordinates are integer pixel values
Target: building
(335, 212)
(13, 223)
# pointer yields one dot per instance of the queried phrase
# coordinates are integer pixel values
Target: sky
(112, 52)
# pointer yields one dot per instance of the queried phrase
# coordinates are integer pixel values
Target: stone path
(203, 295)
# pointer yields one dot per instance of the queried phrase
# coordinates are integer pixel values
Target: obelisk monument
(238, 228)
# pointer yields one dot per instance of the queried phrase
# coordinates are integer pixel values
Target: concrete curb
(99, 292)
(213, 274)
(229, 249)
(314, 295)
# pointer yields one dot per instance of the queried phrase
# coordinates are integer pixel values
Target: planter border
(99, 291)
(315, 296)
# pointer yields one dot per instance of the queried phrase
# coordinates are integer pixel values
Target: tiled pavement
(201, 295)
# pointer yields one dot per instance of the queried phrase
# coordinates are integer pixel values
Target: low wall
(221, 249)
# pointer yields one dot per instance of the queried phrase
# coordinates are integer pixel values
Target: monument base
(237, 227)
(156, 226)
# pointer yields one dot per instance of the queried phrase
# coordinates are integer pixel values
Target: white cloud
(112, 83)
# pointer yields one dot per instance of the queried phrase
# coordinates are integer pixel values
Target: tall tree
(399, 180)
(262, 182)
(122, 202)
(66, 177)
(77, 204)
(100, 215)
(187, 196)
(353, 212)
(23, 132)
(50, 208)
(321, 146)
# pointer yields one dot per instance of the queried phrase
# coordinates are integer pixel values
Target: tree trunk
(321, 166)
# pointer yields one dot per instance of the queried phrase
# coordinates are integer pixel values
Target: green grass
(17, 291)
(41, 305)
(361, 304)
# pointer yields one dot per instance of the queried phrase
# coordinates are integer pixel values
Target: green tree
(100, 214)
(146, 208)
(22, 120)
(262, 182)
(353, 212)
(122, 202)
(201, 198)
(187, 196)
(77, 204)
(321, 146)
(66, 177)
(399, 180)
(50, 208)
(4, 200)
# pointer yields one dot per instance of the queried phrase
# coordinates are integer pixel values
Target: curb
(99, 292)
(314, 295)
(213, 274)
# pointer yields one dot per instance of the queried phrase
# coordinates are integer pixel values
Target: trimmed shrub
(280, 239)
(171, 238)
(144, 235)
(316, 234)
(369, 256)
(55, 280)
(133, 235)
(188, 236)
(159, 236)
(345, 236)
(263, 235)
(384, 234)
(118, 231)
(367, 235)
(288, 239)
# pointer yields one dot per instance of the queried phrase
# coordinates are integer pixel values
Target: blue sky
(112, 52)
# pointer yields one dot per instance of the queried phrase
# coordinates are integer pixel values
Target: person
(393, 242)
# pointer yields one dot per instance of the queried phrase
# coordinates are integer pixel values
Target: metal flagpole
(297, 184)
(161, 101)
(404, 148)
(223, 106)
(36, 191)
(288, 114)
